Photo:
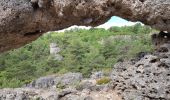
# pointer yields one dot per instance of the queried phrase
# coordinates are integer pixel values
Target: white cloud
(75, 26)
(108, 25)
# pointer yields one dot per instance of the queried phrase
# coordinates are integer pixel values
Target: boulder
(42, 82)
(54, 81)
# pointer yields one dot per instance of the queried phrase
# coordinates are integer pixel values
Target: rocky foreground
(145, 79)
(70, 86)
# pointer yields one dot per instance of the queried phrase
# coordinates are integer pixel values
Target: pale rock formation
(54, 51)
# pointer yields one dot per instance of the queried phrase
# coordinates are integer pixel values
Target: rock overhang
(24, 21)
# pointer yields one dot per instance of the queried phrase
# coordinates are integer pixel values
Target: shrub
(102, 81)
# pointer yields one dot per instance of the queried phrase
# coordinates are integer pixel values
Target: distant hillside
(82, 51)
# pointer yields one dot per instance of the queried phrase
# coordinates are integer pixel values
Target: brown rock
(23, 21)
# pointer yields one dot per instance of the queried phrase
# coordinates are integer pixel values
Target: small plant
(79, 86)
(102, 81)
(38, 98)
(60, 86)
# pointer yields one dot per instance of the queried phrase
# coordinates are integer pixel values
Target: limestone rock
(23, 21)
(54, 49)
(28, 94)
(56, 81)
(54, 52)
(42, 82)
(147, 79)
(42, 89)
(97, 75)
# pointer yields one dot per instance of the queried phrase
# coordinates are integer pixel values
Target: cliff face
(23, 21)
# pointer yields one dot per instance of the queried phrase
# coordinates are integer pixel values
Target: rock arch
(22, 21)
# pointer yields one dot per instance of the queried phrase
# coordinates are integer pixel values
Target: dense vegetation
(83, 51)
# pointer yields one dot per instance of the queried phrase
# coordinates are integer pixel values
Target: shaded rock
(161, 41)
(148, 79)
(23, 21)
(65, 92)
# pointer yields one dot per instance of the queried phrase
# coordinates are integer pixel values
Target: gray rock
(85, 85)
(54, 51)
(148, 79)
(88, 98)
(97, 75)
(21, 26)
(71, 78)
(53, 81)
(65, 92)
(43, 82)
(28, 94)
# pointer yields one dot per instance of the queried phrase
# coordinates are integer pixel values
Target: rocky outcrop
(147, 78)
(54, 81)
(65, 94)
(23, 21)
(28, 94)
(69, 86)
(54, 52)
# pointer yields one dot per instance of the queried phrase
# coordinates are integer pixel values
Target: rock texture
(23, 21)
(65, 94)
(69, 86)
(147, 78)
(56, 81)
(28, 94)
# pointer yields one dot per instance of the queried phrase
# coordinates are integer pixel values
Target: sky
(114, 21)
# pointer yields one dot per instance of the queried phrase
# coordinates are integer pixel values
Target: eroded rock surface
(69, 86)
(23, 21)
(54, 81)
(28, 94)
(146, 79)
